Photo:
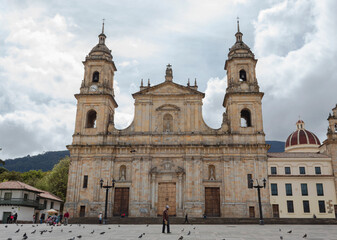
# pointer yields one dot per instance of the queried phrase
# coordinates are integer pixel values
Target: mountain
(276, 146)
(45, 161)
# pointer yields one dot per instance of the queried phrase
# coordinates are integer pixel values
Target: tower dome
(302, 140)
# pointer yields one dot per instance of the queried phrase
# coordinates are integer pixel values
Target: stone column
(180, 188)
(153, 195)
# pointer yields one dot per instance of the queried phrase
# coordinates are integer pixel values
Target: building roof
(16, 185)
(301, 137)
(49, 195)
(297, 155)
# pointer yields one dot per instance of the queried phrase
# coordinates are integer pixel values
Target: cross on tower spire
(238, 22)
(103, 25)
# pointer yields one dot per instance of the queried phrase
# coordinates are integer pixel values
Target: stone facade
(168, 155)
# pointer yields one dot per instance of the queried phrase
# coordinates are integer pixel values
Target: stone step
(215, 220)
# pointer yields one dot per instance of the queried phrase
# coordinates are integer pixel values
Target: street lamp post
(258, 187)
(107, 187)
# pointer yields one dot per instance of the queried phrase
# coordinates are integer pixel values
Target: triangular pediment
(168, 88)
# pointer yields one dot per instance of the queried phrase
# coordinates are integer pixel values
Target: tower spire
(238, 22)
(103, 25)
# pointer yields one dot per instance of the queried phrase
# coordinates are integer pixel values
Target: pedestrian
(100, 218)
(66, 216)
(9, 218)
(42, 218)
(61, 217)
(33, 218)
(186, 219)
(166, 220)
(15, 217)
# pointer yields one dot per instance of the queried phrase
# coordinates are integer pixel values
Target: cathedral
(168, 155)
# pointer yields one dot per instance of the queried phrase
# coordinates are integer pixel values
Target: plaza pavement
(203, 232)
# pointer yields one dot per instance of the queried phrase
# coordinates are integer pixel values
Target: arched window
(95, 77)
(242, 75)
(91, 119)
(211, 172)
(246, 120)
(335, 127)
(168, 123)
(122, 173)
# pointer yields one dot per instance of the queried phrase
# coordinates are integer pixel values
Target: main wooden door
(121, 204)
(212, 201)
(166, 196)
(276, 213)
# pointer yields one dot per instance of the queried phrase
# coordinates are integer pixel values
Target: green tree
(57, 179)
(32, 177)
(2, 169)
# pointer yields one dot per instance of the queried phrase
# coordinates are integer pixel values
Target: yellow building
(301, 179)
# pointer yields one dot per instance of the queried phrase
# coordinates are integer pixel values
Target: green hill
(45, 161)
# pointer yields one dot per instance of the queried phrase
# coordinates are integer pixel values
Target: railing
(22, 202)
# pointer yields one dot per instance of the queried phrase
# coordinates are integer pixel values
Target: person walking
(15, 218)
(186, 219)
(66, 216)
(166, 220)
(100, 215)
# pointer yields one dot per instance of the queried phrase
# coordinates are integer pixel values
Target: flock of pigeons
(289, 232)
(25, 236)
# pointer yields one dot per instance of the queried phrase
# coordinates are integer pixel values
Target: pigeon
(109, 228)
(21, 225)
(102, 233)
(6, 226)
(147, 225)
(183, 229)
(50, 231)
(41, 232)
(83, 226)
(70, 225)
(17, 230)
(79, 236)
(25, 237)
(70, 231)
(9, 238)
(33, 231)
(181, 238)
(189, 232)
(194, 228)
(33, 225)
(304, 236)
(92, 232)
(73, 238)
(281, 237)
(290, 231)
(119, 225)
(279, 229)
(61, 230)
(141, 235)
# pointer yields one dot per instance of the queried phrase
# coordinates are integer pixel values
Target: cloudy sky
(43, 44)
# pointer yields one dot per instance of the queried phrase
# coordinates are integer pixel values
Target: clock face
(93, 88)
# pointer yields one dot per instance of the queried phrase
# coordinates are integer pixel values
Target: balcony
(22, 202)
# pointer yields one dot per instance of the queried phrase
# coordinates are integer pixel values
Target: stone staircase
(178, 220)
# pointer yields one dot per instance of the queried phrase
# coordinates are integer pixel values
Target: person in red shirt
(166, 220)
(66, 216)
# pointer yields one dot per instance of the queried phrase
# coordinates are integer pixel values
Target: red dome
(302, 136)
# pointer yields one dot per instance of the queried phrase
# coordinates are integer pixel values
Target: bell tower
(243, 98)
(330, 144)
(95, 102)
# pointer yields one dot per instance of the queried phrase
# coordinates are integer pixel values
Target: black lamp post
(107, 187)
(258, 187)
